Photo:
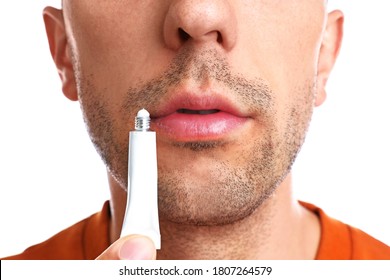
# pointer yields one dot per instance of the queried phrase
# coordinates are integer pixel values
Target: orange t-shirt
(90, 237)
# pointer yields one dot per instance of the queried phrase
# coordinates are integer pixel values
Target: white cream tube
(141, 215)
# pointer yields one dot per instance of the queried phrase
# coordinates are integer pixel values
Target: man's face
(230, 86)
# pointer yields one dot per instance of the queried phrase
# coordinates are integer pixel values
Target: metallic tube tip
(142, 120)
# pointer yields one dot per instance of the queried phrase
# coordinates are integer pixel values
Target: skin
(227, 197)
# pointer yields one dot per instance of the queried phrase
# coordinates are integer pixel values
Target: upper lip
(201, 103)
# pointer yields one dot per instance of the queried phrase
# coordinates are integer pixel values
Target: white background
(51, 176)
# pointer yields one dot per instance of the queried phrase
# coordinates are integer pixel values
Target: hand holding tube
(131, 247)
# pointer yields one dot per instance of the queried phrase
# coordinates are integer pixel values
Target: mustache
(199, 66)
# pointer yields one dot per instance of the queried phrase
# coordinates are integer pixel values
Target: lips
(190, 117)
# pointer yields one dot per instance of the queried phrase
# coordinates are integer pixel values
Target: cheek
(114, 42)
(293, 62)
(281, 43)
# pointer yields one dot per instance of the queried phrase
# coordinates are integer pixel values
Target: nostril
(184, 36)
(219, 38)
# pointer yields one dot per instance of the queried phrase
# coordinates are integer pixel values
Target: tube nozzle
(142, 120)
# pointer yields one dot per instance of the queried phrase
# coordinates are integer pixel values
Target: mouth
(197, 112)
(191, 118)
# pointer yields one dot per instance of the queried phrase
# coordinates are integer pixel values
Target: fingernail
(137, 248)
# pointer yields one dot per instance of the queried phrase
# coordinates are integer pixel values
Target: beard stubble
(226, 192)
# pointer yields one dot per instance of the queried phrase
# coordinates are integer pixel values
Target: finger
(132, 247)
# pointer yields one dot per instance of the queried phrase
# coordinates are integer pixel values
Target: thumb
(132, 247)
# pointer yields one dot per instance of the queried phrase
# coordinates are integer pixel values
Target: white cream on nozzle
(141, 215)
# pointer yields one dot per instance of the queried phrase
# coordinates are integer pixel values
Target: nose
(200, 21)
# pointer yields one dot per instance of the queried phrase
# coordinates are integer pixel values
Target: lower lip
(196, 127)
